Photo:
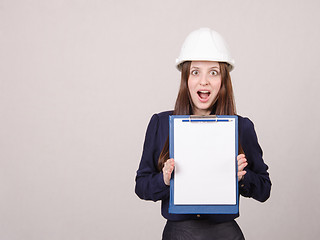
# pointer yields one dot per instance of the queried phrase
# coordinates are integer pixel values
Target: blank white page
(205, 162)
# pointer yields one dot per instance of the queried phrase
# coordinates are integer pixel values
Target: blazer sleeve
(149, 180)
(256, 182)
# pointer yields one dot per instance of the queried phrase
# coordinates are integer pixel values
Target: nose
(204, 80)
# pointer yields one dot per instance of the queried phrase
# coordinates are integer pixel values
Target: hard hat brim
(180, 62)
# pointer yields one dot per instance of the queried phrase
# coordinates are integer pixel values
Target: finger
(242, 166)
(167, 171)
(241, 161)
(171, 162)
(240, 156)
(242, 173)
(169, 166)
(170, 169)
(166, 166)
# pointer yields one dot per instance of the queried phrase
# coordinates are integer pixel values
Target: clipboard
(205, 179)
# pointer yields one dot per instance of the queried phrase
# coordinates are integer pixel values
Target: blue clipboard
(210, 196)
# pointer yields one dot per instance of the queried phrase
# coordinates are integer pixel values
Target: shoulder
(246, 129)
(162, 116)
(245, 122)
(165, 114)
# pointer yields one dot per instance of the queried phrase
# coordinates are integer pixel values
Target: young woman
(205, 89)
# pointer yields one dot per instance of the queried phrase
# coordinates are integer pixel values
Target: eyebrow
(209, 68)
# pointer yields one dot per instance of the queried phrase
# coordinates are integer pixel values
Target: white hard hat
(204, 44)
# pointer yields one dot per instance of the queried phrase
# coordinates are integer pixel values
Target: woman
(205, 89)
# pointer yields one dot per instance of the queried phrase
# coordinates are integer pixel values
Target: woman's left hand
(242, 163)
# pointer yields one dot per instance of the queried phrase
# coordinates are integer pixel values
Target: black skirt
(202, 230)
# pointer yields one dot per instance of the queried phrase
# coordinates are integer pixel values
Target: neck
(201, 112)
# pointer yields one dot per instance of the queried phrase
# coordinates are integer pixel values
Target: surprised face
(204, 83)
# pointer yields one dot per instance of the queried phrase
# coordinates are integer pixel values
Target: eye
(214, 73)
(195, 72)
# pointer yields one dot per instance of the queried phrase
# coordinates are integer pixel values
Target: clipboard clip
(206, 118)
(202, 116)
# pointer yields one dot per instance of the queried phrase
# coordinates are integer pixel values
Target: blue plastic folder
(205, 150)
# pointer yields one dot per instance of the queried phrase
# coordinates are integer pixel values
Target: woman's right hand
(167, 170)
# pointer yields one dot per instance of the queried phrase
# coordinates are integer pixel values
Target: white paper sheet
(205, 167)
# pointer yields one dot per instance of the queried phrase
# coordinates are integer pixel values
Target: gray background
(79, 81)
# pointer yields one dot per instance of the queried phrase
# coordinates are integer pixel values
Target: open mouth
(203, 95)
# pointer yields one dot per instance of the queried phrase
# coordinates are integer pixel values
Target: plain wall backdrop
(79, 81)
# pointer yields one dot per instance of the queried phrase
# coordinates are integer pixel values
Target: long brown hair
(224, 104)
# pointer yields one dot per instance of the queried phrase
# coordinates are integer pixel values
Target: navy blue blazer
(149, 180)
